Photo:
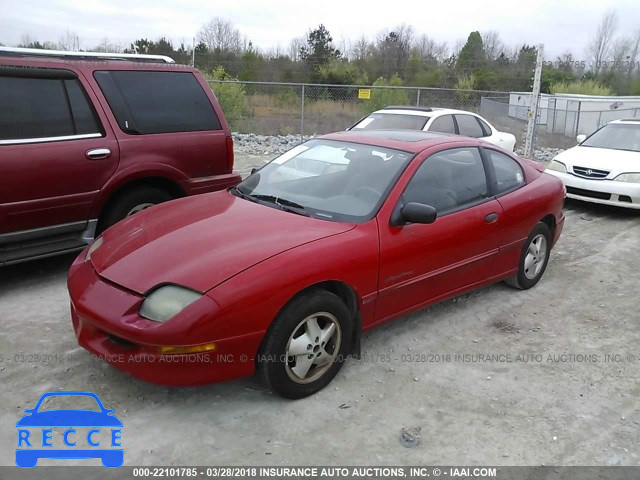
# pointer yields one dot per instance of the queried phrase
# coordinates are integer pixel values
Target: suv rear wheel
(131, 202)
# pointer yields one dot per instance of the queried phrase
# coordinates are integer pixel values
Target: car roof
(420, 111)
(413, 141)
(632, 121)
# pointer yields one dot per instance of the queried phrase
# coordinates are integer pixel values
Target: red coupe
(282, 273)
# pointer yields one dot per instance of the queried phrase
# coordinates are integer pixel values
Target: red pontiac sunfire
(282, 273)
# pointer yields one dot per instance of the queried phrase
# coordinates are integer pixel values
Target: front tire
(306, 345)
(533, 258)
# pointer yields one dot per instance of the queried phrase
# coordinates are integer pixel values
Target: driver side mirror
(581, 138)
(414, 212)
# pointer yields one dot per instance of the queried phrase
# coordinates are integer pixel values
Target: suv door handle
(98, 154)
(492, 217)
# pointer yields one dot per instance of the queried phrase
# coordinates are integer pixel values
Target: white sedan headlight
(166, 302)
(557, 166)
(628, 177)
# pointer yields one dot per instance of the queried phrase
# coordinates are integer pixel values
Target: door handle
(492, 217)
(98, 154)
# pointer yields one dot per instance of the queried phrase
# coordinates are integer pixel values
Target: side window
(443, 124)
(468, 126)
(145, 102)
(33, 108)
(449, 180)
(485, 126)
(509, 173)
(81, 109)
(47, 107)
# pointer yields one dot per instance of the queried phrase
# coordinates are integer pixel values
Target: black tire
(277, 369)
(526, 278)
(127, 201)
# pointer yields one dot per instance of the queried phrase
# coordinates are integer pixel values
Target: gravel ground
(548, 395)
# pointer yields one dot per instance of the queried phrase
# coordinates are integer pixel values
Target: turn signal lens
(207, 347)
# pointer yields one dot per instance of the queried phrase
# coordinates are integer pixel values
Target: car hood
(616, 161)
(69, 418)
(199, 242)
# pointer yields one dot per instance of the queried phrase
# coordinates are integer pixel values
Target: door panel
(44, 184)
(47, 175)
(419, 263)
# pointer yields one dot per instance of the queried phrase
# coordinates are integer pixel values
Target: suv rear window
(385, 121)
(47, 107)
(145, 102)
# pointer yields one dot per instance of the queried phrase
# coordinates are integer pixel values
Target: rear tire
(306, 345)
(533, 258)
(131, 202)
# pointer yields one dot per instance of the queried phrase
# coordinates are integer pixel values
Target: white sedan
(444, 120)
(604, 167)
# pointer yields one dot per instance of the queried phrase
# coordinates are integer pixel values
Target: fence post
(533, 105)
(302, 116)
(418, 98)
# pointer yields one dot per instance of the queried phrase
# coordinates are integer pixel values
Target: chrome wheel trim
(535, 257)
(139, 208)
(312, 347)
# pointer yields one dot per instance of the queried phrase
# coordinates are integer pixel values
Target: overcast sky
(560, 24)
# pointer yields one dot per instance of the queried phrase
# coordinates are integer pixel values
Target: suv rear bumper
(195, 186)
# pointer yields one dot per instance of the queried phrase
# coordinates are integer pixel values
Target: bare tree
(69, 41)
(361, 50)
(634, 52)
(429, 49)
(26, 40)
(619, 54)
(107, 46)
(294, 48)
(220, 34)
(599, 46)
(492, 44)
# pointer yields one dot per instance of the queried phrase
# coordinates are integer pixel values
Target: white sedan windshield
(328, 179)
(618, 136)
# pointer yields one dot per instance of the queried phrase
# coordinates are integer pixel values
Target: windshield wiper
(239, 193)
(284, 204)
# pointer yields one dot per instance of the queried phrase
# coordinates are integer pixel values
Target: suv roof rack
(409, 107)
(37, 52)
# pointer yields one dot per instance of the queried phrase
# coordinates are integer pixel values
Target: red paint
(44, 184)
(250, 260)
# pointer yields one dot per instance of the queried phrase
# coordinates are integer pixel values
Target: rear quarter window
(146, 102)
(469, 126)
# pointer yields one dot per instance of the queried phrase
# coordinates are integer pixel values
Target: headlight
(94, 246)
(628, 177)
(557, 166)
(166, 302)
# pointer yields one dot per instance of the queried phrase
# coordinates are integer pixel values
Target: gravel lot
(547, 396)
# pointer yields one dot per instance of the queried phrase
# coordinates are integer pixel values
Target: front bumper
(606, 192)
(106, 323)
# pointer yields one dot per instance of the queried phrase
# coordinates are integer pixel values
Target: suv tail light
(230, 158)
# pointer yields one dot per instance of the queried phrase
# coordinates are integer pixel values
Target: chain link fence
(264, 108)
(314, 109)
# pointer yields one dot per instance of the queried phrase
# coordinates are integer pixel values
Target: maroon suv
(87, 141)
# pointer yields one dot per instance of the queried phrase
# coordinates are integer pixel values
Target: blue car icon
(39, 445)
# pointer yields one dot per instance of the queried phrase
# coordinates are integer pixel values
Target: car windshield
(327, 179)
(618, 136)
(66, 402)
(387, 121)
